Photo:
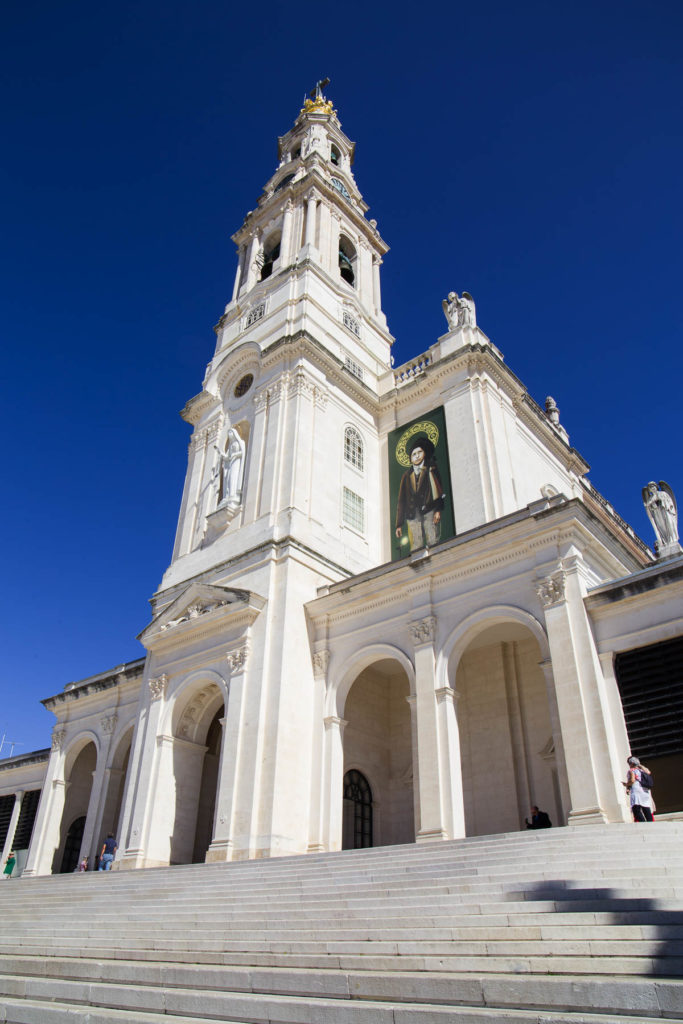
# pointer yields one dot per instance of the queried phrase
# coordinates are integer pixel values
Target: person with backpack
(639, 788)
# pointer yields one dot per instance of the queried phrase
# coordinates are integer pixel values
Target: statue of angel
(660, 505)
(459, 312)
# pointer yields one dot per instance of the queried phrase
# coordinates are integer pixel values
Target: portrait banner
(420, 498)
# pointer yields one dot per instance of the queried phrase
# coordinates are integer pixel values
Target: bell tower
(307, 256)
(293, 386)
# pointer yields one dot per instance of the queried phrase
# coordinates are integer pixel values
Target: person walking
(640, 796)
(109, 848)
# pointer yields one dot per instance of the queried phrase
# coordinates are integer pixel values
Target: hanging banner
(421, 502)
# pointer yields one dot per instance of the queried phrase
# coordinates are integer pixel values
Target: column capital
(237, 658)
(333, 721)
(447, 693)
(552, 590)
(157, 687)
(321, 661)
(423, 631)
(58, 737)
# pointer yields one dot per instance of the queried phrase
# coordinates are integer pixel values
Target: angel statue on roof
(459, 311)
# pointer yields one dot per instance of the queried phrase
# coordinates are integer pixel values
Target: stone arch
(117, 773)
(370, 701)
(338, 688)
(78, 769)
(188, 769)
(494, 661)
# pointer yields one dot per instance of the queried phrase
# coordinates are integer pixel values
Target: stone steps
(577, 924)
(281, 997)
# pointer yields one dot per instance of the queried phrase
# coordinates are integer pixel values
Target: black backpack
(646, 780)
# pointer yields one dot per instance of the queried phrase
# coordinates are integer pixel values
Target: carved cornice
(551, 590)
(423, 631)
(157, 687)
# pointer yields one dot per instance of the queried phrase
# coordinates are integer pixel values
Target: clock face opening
(243, 385)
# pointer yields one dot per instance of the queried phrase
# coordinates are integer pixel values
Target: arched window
(347, 258)
(335, 156)
(271, 251)
(357, 823)
(353, 448)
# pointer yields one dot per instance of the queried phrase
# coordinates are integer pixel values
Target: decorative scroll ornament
(108, 723)
(237, 659)
(58, 737)
(157, 687)
(424, 631)
(552, 589)
(321, 660)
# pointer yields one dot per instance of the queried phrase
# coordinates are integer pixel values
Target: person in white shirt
(641, 798)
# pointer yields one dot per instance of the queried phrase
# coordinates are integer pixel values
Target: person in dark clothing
(539, 819)
(109, 848)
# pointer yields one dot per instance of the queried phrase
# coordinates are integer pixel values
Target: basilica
(397, 611)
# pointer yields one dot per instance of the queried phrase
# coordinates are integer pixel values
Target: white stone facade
(301, 691)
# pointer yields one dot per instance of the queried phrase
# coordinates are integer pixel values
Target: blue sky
(530, 154)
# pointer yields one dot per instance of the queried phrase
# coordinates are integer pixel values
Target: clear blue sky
(528, 153)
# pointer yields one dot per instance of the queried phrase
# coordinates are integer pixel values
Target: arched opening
(347, 259)
(78, 778)
(118, 772)
(196, 747)
(378, 758)
(271, 251)
(72, 845)
(335, 156)
(505, 727)
(357, 814)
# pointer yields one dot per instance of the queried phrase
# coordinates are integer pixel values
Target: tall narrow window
(347, 258)
(353, 510)
(353, 447)
(357, 814)
(271, 251)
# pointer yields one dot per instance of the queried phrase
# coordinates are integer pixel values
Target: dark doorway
(72, 846)
(357, 821)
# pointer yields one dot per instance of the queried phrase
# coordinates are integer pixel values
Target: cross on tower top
(317, 92)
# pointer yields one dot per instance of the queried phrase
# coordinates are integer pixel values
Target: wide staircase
(565, 925)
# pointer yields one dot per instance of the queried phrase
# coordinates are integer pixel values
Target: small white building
(396, 610)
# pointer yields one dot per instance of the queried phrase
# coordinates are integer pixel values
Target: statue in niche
(459, 311)
(660, 505)
(232, 470)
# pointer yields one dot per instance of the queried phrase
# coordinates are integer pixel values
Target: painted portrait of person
(419, 480)
(420, 496)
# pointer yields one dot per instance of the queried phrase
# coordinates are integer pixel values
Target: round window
(243, 385)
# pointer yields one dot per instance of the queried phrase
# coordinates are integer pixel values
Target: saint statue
(232, 466)
(459, 311)
(660, 505)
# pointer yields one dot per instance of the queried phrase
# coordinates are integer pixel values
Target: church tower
(300, 349)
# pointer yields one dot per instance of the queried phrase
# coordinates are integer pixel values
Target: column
(140, 789)
(450, 762)
(311, 203)
(286, 237)
(440, 792)
(46, 830)
(90, 844)
(9, 839)
(316, 814)
(333, 782)
(251, 276)
(376, 288)
(238, 272)
(325, 235)
(236, 770)
(590, 753)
